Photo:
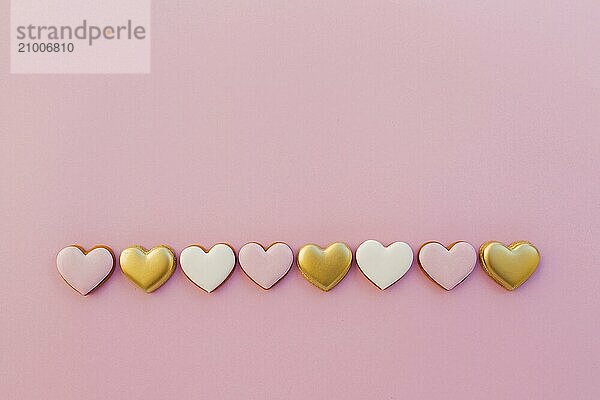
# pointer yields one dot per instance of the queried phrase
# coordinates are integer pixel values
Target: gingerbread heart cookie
(85, 270)
(325, 268)
(266, 266)
(510, 265)
(384, 265)
(148, 269)
(447, 266)
(208, 269)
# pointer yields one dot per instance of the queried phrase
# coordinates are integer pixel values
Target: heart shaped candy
(208, 269)
(85, 270)
(384, 265)
(266, 267)
(509, 266)
(148, 269)
(447, 266)
(324, 268)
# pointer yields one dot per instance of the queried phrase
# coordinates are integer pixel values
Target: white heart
(384, 265)
(209, 269)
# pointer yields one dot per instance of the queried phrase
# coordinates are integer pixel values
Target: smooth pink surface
(84, 272)
(265, 267)
(448, 267)
(311, 122)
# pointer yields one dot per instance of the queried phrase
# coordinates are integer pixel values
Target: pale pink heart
(266, 268)
(84, 272)
(448, 267)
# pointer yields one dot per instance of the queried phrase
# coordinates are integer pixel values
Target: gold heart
(148, 269)
(509, 266)
(324, 268)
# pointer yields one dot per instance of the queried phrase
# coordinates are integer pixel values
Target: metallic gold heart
(324, 268)
(148, 269)
(509, 266)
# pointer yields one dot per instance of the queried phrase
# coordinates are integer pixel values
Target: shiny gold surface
(148, 269)
(509, 266)
(324, 268)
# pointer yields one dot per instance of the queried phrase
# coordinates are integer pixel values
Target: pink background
(311, 122)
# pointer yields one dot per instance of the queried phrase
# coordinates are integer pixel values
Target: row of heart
(510, 266)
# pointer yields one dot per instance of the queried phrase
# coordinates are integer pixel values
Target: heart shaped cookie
(148, 269)
(266, 267)
(324, 268)
(208, 269)
(509, 266)
(85, 270)
(447, 266)
(384, 265)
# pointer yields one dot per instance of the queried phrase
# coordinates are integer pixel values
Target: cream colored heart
(208, 269)
(384, 265)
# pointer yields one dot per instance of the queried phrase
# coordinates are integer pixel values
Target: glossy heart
(266, 267)
(324, 268)
(208, 269)
(509, 266)
(447, 266)
(384, 265)
(148, 269)
(85, 270)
